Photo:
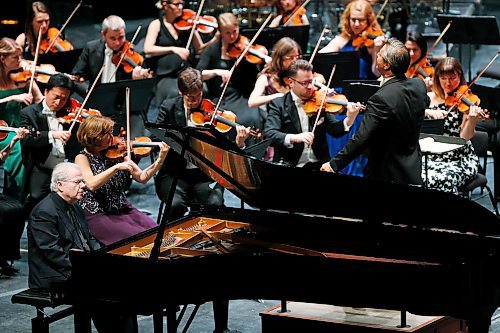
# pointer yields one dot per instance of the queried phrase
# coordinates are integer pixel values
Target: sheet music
(429, 145)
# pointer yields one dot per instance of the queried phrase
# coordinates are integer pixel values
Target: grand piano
(362, 244)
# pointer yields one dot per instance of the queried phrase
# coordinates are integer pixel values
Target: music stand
(480, 30)
(62, 61)
(360, 90)
(270, 36)
(109, 98)
(347, 66)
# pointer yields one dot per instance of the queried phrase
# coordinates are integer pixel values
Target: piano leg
(158, 322)
(171, 319)
(221, 311)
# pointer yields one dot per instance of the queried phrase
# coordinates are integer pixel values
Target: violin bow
(381, 9)
(64, 26)
(481, 72)
(295, 13)
(127, 103)
(197, 17)
(323, 99)
(313, 55)
(80, 108)
(236, 64)
(124, 53)
(434, 45)
(33, 70)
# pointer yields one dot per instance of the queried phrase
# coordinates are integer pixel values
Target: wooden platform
(309, 317)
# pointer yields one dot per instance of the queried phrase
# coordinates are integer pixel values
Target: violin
(5, 129)
(43, 72)
(421, 69)
(68, 114)
(131, 60)
(225, 120)
(366, 38)
(334, 103)
(205, 24)
(60, 45)
(141, 147)
(296, 18)
(463, 99)
(255, 55)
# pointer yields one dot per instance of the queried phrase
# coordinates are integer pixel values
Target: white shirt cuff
(346, 127)
(51, 139)
(288, 143)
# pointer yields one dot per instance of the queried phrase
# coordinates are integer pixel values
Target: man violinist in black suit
(290, 128)
(391, 125)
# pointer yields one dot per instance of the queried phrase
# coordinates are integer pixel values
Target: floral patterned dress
(452, 170)
(109, 214)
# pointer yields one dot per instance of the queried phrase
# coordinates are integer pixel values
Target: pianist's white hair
(60, 173)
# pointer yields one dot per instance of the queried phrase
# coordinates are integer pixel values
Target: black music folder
(347, 66)
(62, 61)
(360, 90)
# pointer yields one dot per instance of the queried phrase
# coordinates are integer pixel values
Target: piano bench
(40, 299)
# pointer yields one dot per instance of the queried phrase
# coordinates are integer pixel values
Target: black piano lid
(270, 186)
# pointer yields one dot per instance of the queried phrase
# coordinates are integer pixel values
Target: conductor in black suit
(391, 125)
(290, 128)
(55, 143)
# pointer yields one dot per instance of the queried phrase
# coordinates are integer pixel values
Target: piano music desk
(318, 318)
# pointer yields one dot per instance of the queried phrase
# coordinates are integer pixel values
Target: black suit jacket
(36, 149)
(51, 235)
(90, 62)
(390, 131)
(283, 119)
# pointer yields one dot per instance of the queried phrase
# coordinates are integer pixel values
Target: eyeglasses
(304, 84)
(294, 57)
(75, 181)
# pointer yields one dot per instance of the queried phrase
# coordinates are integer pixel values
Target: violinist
(215, 64)
(101, 51)
(13, 97)
(358, 17)
(390, 128)
(38, 17)
(55, 143)
(450, 171)
(193, 185)
(109, 214)
(168, 45)
(417, 46)
(289, 127)
(285, 10)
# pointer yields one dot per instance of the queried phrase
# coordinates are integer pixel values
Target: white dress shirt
(109, 72)
(57, 155)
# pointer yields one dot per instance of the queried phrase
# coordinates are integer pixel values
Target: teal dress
(14, 176)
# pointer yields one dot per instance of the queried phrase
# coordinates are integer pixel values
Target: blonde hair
(7, 47)
(92, 131)
(226, 19)
(362, 6)
(448, 65)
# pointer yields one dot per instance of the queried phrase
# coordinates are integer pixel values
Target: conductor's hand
(61, 135)
(306, 137)
(326, 167)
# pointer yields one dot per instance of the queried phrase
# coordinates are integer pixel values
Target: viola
(60, 45)
(296, 18)
(206, 24)
(140, 147)
(366, 38)
(334, 103)
(255, 55)
(5, 129)
(463, 99)
(224, 120)
(43, 72)
(131, 60)
(421, 69)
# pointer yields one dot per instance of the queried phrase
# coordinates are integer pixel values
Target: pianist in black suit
(391, 125)
(56, 225)
(289, 127)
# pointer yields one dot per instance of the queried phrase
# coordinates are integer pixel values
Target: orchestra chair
(480, 144)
